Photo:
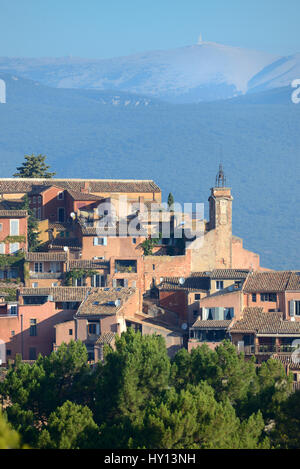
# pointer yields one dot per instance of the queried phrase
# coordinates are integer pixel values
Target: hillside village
(90, 280)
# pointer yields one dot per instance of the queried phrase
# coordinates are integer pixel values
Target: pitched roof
(58, 293)
(88, 264)
(104, 301)
(13, 213)
(268, 281)
(106, 338)
(96, 228)
(21, 185)
(76, 195)
(229, 274)
(293, 363)
(60, 243)
(258, 322)
(190, 284)
(45, 256)
(212, 324)
(294, 281)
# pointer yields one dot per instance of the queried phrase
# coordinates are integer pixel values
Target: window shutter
(114, 283)
(95, 241)
(126, 282)
(105, 241)
(14, 227)
(292, 308)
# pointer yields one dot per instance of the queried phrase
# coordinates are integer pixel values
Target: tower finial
(220, 178)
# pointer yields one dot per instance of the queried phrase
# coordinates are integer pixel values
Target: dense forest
(139, 398)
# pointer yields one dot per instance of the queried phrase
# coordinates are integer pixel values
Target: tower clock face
(223, 212)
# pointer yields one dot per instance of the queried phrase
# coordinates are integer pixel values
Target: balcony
(45, 275)
(126, 266)
(266, 349)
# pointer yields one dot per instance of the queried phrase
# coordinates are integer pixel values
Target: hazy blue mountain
(84, 134)
(201, 72)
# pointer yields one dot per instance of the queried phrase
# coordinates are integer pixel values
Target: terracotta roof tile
(13, 213)
(58, 293)
(104, 301)
(106, 338)
(21, 185)
(190, 283)
(256, 321)
(45, 256)
(212, 324)
(267, 281)
(88, 264)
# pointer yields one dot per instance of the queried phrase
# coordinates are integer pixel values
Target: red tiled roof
(13, 213)
(212, 324)
(258, 322)
(45, 256)
(21, 185)
(268, 281)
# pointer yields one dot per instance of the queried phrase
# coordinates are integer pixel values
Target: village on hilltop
(92, 276)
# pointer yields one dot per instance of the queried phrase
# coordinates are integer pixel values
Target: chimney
(86, 188)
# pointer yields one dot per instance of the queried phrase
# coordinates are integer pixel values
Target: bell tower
(220, 203)
(220, 220)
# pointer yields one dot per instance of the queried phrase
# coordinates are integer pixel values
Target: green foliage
(34, 166)
(9, 438)
(170, 200)
(287, 429)
(32, 226)
(138, 398)
(78, 273)
(149, 244)
(71, 426)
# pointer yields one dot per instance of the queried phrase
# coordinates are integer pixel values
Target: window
(93, 328)
(13, 310)
(14, 247)
(1, 226)
(268, 297)
(228, 313)
(100, 241)
(197, 296)
(133, 240)
(32, 329)
(35, 285)
(60, 196)
(70, 331)
(8, 352)
(32, 353)
(219, 284)
(34, 199)
(153, 266)
(195, 313)
(39, 213)
(12, 333)
(61, 214)
(254, 297)
(38, 267)
(98, 281)
(14, 227)
(55, 284)
(2, 248)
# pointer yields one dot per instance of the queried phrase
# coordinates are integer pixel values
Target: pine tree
(9, 439)
(170, 201)
(34, 167)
